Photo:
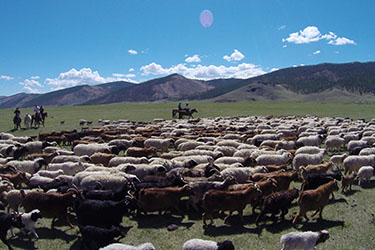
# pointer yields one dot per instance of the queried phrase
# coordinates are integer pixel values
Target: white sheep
(50, 150)
(308, 150)
(244, 153)
(287, 145)
(69, 168)
(15, 197)
(70, 158)
(225, 150)
(120, 246)
(353, 163)
(90, 149)
(30, 167)
(159, 144)
(307, 159)
(199, 244)
(356, 143)
(213, 154)
(365, 173)
(36, 147)
(189, 145)
(274, 159)
(338, 159)
(334, 142)
(228, 143)
(367, 151)
(303, 240)
(230, 160)
(128, 159)
(312, 140)
(242, 174)
(38, 181)
(50, 173)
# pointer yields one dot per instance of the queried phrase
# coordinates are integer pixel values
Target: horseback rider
(179, 106)
(36, 110)
(187, 107)
(17, 118)
(41, 109)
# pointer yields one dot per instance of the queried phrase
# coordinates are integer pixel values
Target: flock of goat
(221, 164)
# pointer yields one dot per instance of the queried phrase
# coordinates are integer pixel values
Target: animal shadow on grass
(234, 226)
(320, 224)
(350, 192)
(337, 201)
(368, 184)
(49, 233)
(77, 245)
(157, 221)
(275, 227)
(23, 242)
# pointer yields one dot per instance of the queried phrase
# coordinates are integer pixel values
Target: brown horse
(38, 119)
(183, 112)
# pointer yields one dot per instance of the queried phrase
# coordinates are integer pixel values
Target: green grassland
(147, 112)
(349, 217)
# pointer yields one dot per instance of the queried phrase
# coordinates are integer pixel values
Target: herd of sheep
(126, 168)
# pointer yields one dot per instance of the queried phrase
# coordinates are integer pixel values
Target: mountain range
(323, 82)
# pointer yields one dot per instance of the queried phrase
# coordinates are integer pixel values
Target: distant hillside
(172, 87)
(353, 80)
(69, 96)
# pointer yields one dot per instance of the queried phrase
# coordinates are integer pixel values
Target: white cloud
(243, 70)
(312, 34)
(132, 52)
(342, 41)
(274, 69)
(308, 35)
(235, 56)
(2, 77)
(35, 77)
(31, 85)
(131, 70)
(282, 27)
(284, 46)
(316, 52)
(81, 77)
(192, 59)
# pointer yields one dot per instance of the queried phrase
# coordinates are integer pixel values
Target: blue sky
(47, 45)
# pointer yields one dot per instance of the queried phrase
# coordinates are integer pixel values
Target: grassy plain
(349, 218)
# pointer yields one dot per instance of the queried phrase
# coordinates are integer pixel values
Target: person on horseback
(36, 109)
(41, 109)
(17, 118)
(187, 107)
(179, 106)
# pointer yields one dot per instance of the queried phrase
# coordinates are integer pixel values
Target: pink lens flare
(206, 18)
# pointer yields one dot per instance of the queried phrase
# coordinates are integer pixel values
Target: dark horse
(17, 122)
(183, 112)
(38, 118)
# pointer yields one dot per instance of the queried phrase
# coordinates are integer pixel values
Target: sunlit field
(350, 218)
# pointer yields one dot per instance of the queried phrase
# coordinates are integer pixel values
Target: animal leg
(6, 242)
(296, 218)
(315, 212)
(226, 218)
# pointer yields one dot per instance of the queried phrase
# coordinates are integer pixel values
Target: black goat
(96, 237)
(7, 221)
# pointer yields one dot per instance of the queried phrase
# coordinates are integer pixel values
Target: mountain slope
(69, 96)
(172, 87)
(316, 82)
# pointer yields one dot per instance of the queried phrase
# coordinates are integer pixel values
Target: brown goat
(267, 187)
(101, 158)
(347, 181)
(47, 157)
(315, 169)
(51, 205)
(218, 200)
(141, 152)
(16, 179)
(315, 199)
(157, 199)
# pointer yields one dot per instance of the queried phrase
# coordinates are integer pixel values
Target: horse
(27, 121)
(17, 122)
(184, 112)
(38, 118)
